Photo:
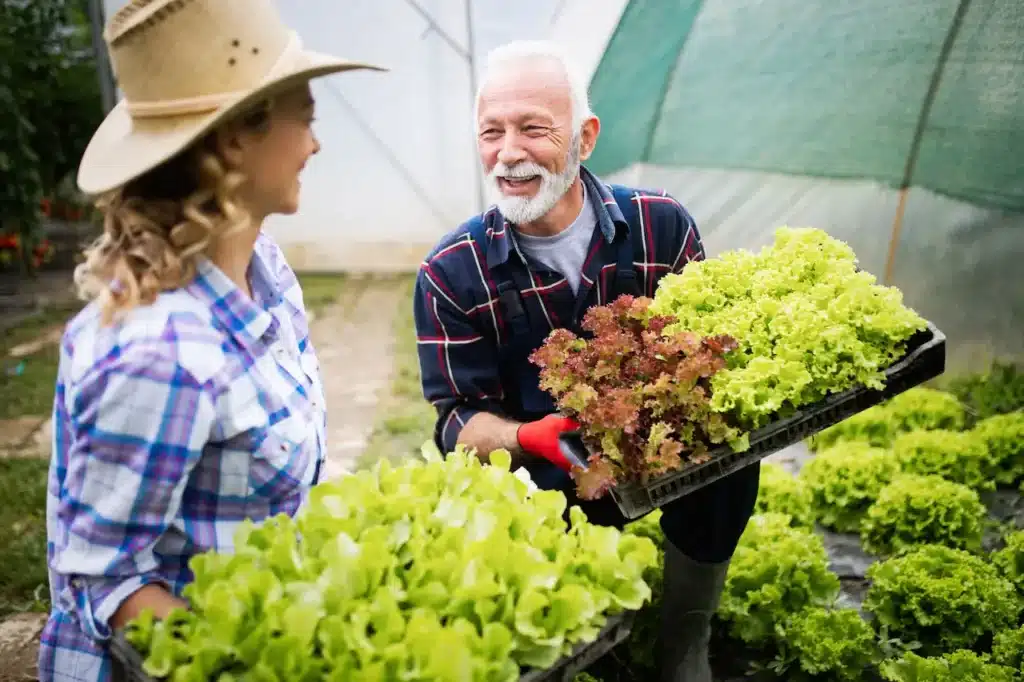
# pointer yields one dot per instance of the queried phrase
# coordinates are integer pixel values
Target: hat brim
(122, 148)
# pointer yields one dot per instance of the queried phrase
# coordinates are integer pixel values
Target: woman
(188, 395)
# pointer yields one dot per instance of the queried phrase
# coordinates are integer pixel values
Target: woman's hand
(154, 597)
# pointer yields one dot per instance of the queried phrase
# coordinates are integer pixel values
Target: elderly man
(557, 242)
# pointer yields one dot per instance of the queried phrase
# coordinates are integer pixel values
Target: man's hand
(541, 438)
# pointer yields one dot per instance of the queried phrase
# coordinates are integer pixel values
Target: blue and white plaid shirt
(197, 412)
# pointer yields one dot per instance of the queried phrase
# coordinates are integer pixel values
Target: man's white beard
(553, 186)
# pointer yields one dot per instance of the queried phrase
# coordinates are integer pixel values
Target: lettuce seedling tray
(615, 631)
(128, 661)
(925, 359)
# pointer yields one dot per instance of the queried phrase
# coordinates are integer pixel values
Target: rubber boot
(690, 596)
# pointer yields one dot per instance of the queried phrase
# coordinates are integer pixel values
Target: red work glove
(541, 438)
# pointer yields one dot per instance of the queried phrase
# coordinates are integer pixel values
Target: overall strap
(623, 209)
(625, 274)
(514, 343)
(509, 299)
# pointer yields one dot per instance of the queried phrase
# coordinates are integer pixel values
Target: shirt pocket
(284, 461)
(311, 368)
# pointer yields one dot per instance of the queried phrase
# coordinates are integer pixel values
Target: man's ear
(588, 136)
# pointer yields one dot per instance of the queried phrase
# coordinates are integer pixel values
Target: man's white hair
(519, 53)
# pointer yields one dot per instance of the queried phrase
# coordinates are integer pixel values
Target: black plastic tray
(925, 359)
(614, 632)
(128, 662)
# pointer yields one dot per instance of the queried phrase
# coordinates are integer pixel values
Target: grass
(26, 384)
(406, 419)
(23, 580)
(321, 290)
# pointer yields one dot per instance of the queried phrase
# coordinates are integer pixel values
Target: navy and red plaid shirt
(460, 324)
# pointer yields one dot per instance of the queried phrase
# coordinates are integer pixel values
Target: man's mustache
(526, 169)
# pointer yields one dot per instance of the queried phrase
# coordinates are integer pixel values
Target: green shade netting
(820, 88)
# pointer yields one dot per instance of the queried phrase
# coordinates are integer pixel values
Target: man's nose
(511, 151)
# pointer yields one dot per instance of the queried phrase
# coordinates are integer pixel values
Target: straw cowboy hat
(185, 66)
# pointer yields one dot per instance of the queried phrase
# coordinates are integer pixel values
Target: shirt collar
(609, 218)
(248, 320)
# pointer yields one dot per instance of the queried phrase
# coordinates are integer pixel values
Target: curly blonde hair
(156, 226)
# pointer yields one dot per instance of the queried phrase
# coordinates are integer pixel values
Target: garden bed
(941, 596)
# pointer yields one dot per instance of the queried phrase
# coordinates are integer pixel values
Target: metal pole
(108, 96)
(471, 61)
(436, 28)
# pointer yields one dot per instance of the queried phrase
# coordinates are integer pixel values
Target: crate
(615, 631)
(925, 359)
(128, 662)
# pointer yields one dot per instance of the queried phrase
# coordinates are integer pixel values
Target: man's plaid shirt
(460, 324)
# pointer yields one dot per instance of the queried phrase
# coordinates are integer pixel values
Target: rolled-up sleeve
(137, 426)
(458, 363)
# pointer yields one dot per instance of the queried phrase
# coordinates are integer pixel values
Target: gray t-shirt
(564, 252)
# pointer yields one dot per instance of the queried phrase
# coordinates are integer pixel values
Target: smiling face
(528, 146)
(270, 149)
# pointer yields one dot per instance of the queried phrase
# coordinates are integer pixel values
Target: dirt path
(19, 643)
(355, 344)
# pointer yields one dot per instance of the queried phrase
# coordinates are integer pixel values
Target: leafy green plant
(648, 526)
(808, 323)
(640, 396)
(641, 647)
(585, 677)
(23, 580)
(845, 480)
(958, 666)
(827, 642)
(944, 598)
(782, 492)
(921, 510)
(1002, 435)
(49, 107)
(777, 570)
(920, 408)
(1008, 648)
(1010, 559)
(998, 390)
(959, 456)
(433, 571)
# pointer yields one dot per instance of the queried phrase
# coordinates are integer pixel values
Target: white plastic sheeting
(380, 205)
